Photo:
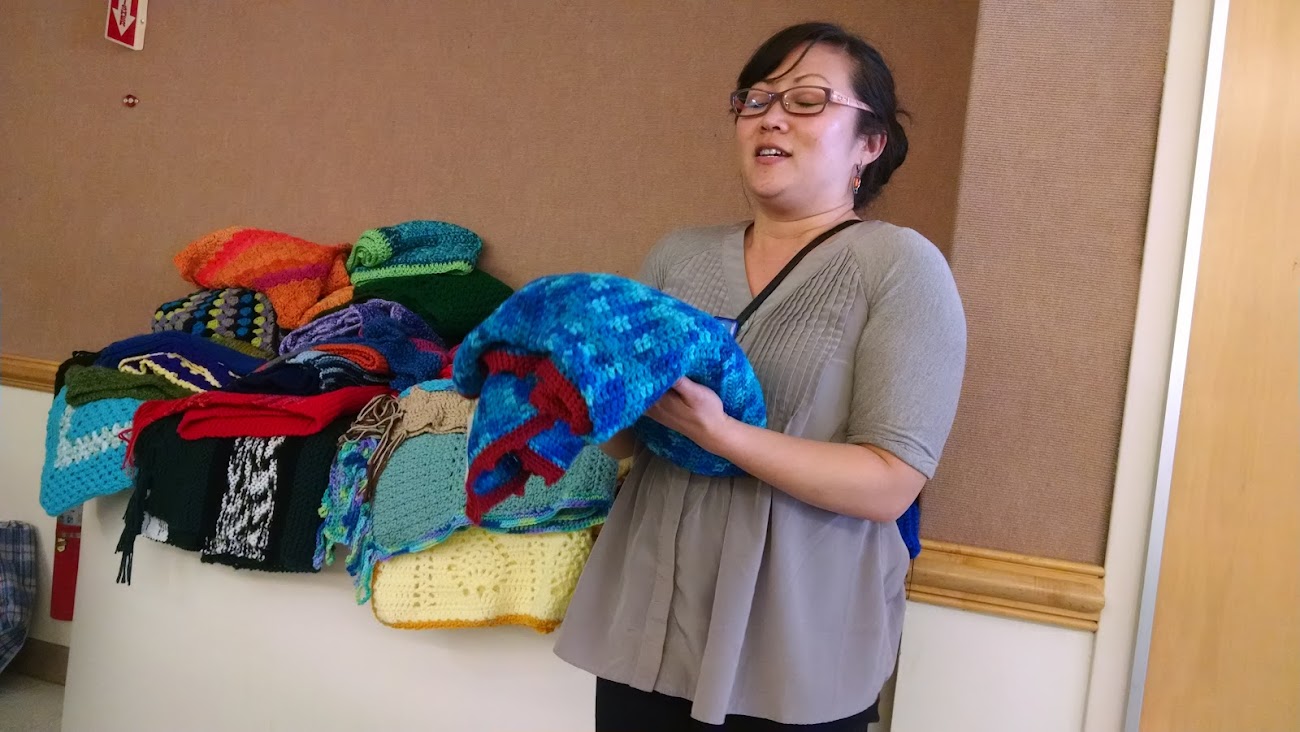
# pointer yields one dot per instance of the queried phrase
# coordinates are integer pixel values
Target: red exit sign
(126, 22)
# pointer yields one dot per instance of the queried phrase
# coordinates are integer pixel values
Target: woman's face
(813, 172)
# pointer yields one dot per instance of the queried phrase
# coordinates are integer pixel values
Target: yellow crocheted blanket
(478, 578)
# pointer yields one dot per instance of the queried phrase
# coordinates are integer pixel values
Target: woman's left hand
(693, 410)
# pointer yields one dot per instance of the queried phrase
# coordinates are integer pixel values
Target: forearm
(853, 480)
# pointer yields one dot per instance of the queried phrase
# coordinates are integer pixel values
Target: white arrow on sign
(124, 17)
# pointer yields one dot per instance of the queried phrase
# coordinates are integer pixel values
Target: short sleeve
(654, 267)
(911, 356)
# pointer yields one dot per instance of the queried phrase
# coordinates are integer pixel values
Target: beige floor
(28, 704)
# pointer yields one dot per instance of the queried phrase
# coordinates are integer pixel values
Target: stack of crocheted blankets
(260, 284)
(397, 500)
(242, 388)
(305, 399)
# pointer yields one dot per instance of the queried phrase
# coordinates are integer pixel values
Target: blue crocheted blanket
(84, 456)
(571, 360)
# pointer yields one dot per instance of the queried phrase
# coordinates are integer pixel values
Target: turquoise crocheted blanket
(570, 360)
(84, 456)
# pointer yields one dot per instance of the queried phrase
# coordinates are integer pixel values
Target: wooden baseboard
(1061, 593)
(42, 660)
(1067, 594)
(27, 373)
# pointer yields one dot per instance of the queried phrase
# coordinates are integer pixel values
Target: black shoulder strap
(788, 268)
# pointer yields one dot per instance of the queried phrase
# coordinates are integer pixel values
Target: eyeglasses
(795, 100)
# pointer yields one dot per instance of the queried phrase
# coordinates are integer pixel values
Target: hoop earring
(857, 179)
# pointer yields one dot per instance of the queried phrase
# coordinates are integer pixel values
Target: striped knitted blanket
(573, 359)
(299, 277)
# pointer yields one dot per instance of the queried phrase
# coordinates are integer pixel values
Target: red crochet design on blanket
(556, 400)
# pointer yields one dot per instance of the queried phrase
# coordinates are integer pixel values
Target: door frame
(1177, 365)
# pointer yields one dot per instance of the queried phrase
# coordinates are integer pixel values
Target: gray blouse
(728, 592)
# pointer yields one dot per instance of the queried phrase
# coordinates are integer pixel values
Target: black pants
(620, 708)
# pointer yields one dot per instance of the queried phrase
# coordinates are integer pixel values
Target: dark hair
(873, 83)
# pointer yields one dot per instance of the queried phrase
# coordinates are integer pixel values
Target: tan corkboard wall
(1056, 172)
(570, 135)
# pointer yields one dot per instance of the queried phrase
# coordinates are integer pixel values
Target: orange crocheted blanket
(301, 278)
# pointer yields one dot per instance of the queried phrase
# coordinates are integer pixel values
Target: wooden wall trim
(27, 373)
(1068, 594)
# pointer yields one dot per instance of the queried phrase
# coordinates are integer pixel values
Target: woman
(776, 598)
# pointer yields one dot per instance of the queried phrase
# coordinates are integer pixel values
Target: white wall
(22, 448)
(966, 671)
